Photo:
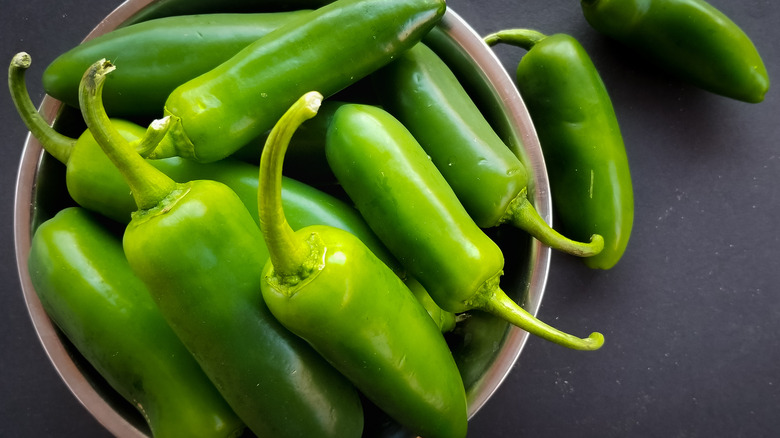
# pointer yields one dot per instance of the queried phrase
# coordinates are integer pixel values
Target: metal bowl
(485, 348)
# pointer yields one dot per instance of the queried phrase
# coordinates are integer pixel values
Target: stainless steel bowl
(485, 348)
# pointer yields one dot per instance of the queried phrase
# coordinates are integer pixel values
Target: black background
(691, 314)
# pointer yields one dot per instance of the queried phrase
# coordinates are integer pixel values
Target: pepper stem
(524, 38)
(495, 301)
(148, 185)
(290, 253)
(523, 215)
(58, 145)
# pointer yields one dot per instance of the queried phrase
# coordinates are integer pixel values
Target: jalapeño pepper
(150, 54)
(413, 210)
(689, 38)
(578, 130)
(199, 252)
(82, 278)
(423, 93)
(328, 49)
(328, 288)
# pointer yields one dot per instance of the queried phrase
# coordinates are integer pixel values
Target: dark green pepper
(200, 253)
(413, 210)
(578, 130)
(328, 49)
(491, 182)
(689, 38)
(150, 54)
(87, 288)
(328, 288)
(168, 8)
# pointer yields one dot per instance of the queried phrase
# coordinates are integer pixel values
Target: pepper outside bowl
(485, 348)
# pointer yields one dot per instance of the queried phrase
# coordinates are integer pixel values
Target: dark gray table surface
(691, 314)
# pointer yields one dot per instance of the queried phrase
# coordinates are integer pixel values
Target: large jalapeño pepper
(328, 288)
(328, 49)
(578, 130)
(200, 253)
(87, 288)
(423, 93)
(689, 38)
(150, 56)
(413, 210)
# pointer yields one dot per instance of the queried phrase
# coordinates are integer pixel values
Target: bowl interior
(484, 347)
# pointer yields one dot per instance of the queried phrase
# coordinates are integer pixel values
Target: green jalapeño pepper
(590, 180)
(200, 253)
(491, 182)
(328, 49)
(87, 288)
(689, 38)
(328, 288)
(414, 211)
(150, 54)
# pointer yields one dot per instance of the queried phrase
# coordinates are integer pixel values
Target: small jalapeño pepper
(150, 56)
(200, 253)
(423, 93)
(578, 130)
(82, 278)
(328, 49)
(690, 39)
(413, 210)
(328, 288)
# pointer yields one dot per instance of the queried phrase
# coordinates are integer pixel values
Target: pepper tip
(312, 101)
(594, 341)
(22, 60)
(597, 242)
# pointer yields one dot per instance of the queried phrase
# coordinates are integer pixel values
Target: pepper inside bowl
(485, 348)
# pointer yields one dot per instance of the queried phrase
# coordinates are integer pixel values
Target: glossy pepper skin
(200, 253)
(327, 287)
(412, 209)
(689, 38)
(590, 178)
(423, 93)
(87, 288)
(149, 55)
(328, 49)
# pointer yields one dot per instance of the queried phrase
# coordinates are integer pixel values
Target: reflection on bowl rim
(113, 421)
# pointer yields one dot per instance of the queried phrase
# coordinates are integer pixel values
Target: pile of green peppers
(217, 295)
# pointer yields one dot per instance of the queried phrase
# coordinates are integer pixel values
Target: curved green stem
(58, 145)
(289, 253)
(148, 185)
(495, 301)
(524, 38)
(523, 215)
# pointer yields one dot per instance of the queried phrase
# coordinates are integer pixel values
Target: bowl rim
(497, 78)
